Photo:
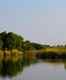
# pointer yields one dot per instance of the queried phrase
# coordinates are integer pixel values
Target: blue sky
(37, 20)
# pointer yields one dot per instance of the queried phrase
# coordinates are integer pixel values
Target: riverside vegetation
(16, 53)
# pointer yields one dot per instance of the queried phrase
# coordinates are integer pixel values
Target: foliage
(10, 40)
(37, 45)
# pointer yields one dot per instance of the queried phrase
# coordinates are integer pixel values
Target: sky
(42, 21)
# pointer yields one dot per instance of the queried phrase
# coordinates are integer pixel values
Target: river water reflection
(43, 71)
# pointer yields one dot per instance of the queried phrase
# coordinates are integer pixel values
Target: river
(42, 71)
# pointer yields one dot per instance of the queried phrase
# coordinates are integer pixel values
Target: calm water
(42, 71)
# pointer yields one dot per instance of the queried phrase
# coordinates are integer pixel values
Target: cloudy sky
(37, 20)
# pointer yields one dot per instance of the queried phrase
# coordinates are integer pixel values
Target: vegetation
(15, 53)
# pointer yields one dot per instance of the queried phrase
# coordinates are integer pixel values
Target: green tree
(1, 43)
(37, 46)
(3, 36)
(28, 45)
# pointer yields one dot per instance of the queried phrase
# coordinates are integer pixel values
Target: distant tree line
(11, 40)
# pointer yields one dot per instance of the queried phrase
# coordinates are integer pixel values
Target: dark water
(42, 71)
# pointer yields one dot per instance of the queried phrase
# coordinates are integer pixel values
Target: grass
(55, 49)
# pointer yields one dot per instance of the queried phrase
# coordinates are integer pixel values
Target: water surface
(43, 71)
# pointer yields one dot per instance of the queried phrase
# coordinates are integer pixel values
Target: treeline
(11, 40)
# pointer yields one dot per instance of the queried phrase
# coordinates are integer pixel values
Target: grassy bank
(52, 53)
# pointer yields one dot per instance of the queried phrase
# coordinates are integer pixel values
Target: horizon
(41, 21)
